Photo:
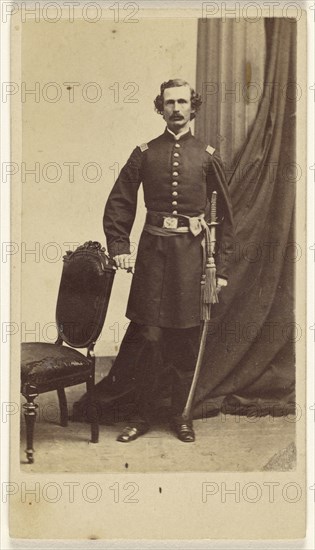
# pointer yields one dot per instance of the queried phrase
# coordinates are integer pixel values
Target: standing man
(179, 174)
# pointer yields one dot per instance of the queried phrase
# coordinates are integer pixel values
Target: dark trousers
(152, 349)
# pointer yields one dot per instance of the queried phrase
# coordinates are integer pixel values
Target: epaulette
(143, 147)
(210, 149)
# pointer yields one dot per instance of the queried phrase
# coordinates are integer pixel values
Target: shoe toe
(187, 437)
(123, 438)
(185, 433)
(130, 433)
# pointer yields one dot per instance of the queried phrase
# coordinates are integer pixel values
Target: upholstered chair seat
(42, 363)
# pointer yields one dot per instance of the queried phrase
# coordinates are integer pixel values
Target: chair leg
(92, 414)
(63, 407)
(30, 417)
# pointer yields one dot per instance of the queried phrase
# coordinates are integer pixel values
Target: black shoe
(184, 432)
(130, 433)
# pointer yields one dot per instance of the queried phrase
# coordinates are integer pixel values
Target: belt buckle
(170, 223)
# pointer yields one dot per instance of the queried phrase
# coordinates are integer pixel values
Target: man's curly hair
(196, 100)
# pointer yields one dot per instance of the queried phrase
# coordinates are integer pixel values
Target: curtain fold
(230, 75)
(250, 351)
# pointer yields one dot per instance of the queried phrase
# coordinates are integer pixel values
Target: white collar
(179, 135)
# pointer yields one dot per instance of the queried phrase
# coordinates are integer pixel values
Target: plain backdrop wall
(95, 126)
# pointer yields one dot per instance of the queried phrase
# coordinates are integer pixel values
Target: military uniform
(178, 177)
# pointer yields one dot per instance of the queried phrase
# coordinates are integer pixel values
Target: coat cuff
(118, 247)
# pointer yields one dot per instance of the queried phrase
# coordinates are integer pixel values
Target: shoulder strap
(210, 149)
(143, 147)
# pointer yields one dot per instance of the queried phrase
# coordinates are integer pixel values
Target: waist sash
(195, 224)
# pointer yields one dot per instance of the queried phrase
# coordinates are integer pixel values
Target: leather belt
(158, 219)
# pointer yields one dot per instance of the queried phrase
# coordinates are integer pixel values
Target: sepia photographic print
(158, 270)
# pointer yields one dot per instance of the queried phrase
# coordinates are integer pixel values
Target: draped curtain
(230, 77)
(249, 360)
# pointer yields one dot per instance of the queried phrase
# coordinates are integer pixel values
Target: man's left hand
(221, 283)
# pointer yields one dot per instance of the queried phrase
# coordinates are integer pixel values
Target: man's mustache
(175, 117)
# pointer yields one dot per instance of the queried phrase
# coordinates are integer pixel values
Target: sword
(208, 296)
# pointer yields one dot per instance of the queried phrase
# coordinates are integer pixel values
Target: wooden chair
(83, 297)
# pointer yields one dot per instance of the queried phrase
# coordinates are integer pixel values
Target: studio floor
(223, 443)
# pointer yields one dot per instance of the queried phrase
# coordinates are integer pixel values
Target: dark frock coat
(178, 176)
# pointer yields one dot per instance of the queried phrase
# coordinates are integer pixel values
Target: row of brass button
(175, 175)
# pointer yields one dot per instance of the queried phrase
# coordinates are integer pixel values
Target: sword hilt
(213, 207)
(212, 224)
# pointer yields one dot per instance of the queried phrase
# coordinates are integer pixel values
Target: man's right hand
(124, 261)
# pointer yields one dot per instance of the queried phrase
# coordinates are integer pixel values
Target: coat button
(177, 145)
(175, 183)
(174, 203)
(175, 194)
(174, 212)
(176, 155)
(175, 174)
(175, 163)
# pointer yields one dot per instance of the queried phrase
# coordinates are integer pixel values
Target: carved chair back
(84, 292)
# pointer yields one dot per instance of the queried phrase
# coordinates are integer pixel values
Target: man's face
(177, 107)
